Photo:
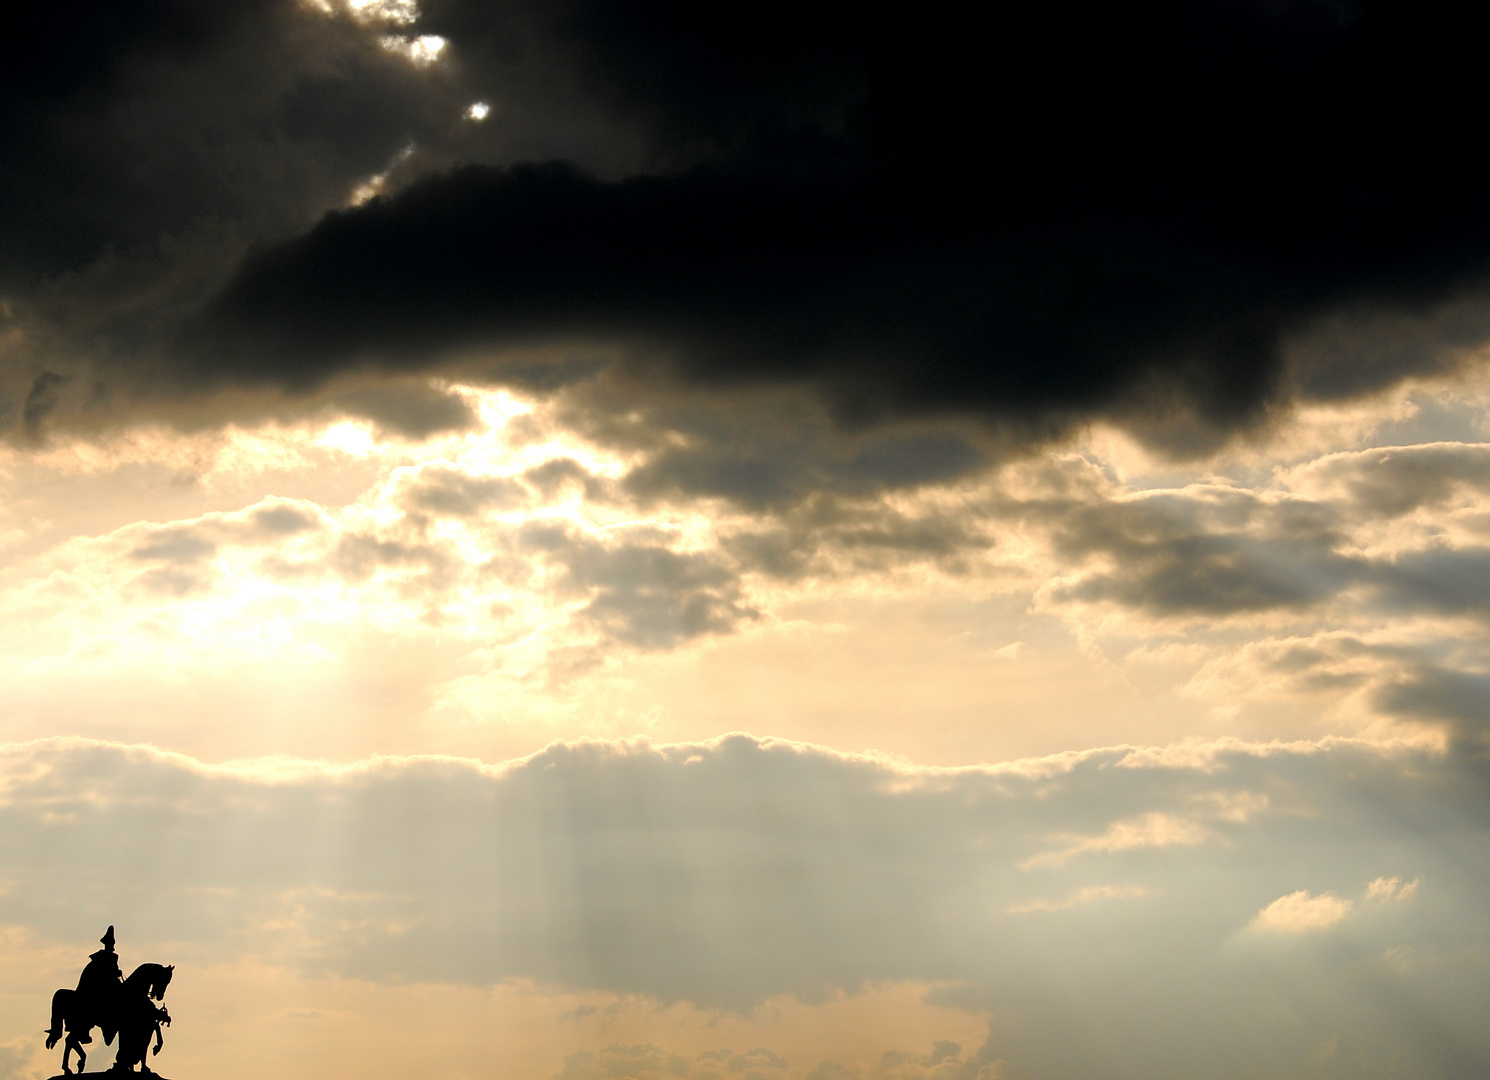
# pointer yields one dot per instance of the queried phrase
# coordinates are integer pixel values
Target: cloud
(730, 872)
(447, 491)
(1091, 894)
(1301, 913)
(648, 1062)
(295, 103)
(1391, 890)
(846, 211)
(766, 449)
(41, 399)
(945, 1062)
(529, 551)
(1397, 480)
(14, 1057)
(525, 552)
(1204, 551)
(1432, 691)
(1362, 536)
(506, 533)
(641, 592)
(413, 411)
(794, 284)
(1156, 830)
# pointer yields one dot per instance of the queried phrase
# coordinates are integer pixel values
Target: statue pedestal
(108, 1074)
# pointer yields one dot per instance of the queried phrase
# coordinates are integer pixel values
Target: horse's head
(151, 978)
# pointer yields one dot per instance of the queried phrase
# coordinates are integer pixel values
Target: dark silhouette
(115, 1007)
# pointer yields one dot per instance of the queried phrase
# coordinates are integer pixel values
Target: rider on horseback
(98, 987)
(126, 1009)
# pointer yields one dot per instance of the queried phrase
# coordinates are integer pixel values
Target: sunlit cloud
(1391, 890)
(397, 12)
(420, 51)
(1302, 913)
(1155, 830)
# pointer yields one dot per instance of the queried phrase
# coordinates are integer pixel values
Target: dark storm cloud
(1073, 212)
(1052, 215)
(41, 399)
(126, 121)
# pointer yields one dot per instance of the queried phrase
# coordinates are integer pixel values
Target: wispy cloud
(1090, 894)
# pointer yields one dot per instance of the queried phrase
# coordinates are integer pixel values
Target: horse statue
(125, 1009)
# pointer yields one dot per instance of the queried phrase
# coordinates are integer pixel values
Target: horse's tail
(60, 1001)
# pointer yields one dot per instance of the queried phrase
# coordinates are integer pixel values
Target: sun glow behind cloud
(525, 573)
(536, 577)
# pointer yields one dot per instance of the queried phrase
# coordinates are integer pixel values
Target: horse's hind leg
(68, 1047)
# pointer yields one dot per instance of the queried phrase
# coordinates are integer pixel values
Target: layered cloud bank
(530, 569)
(1210, 908)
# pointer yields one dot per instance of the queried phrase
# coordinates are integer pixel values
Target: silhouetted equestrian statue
(114, 1006)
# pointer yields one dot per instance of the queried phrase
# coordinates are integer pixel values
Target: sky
(639, 541)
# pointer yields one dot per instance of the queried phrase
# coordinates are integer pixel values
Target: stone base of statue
(108, 1074)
